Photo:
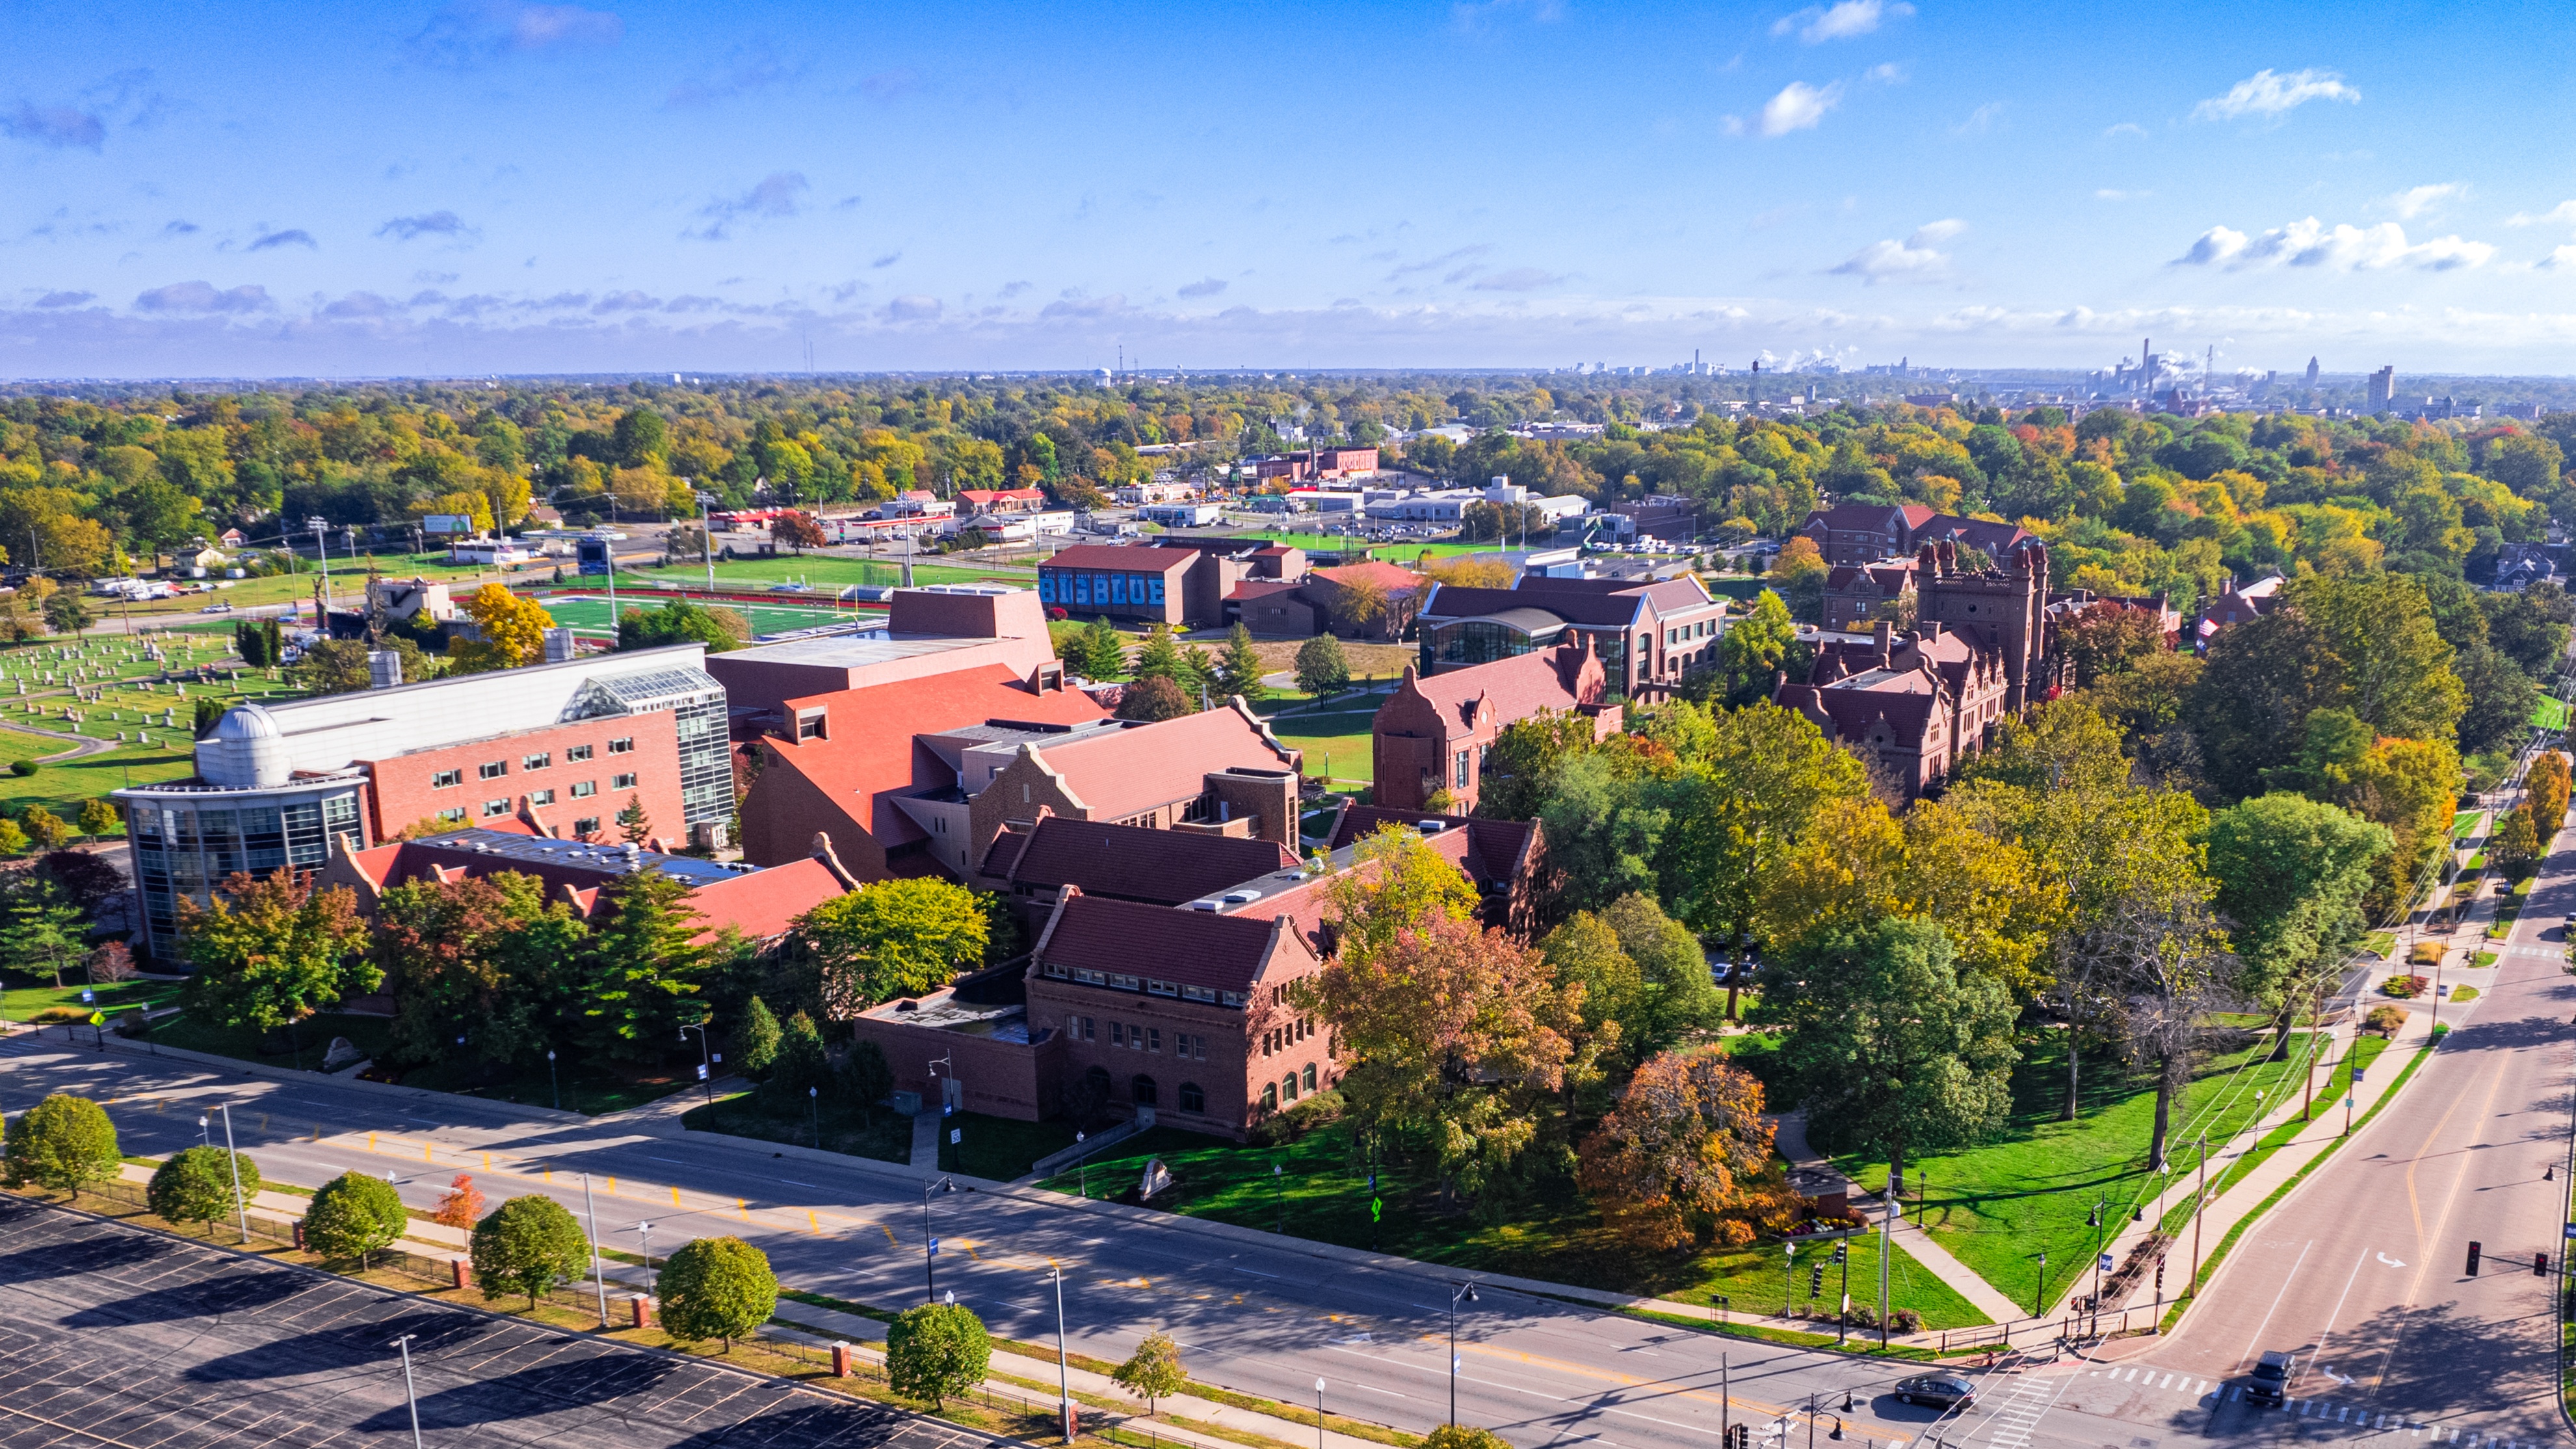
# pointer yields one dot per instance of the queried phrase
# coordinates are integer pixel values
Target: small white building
(495, 552)
(916, 503)
(1182, 515)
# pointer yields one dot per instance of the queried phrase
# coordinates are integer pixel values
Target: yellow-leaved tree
(512, 630)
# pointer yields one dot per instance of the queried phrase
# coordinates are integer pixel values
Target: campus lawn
(821, 570)
(2363, 1052)
(1337, 745)
(877, 1133)
(65, 785)
(29, 993)
(2549, 714)
(1000, 1148)
(1322, 1193)
(305, 1046)
(1996, 1207)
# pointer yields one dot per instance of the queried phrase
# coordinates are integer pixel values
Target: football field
(588, 613)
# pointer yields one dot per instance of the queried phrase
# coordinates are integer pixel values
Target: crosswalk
(2317, 1411)
(2542, 950)
(2018, 1413)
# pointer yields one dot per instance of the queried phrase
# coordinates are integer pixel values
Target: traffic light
(2540, 1265)
(1842, 1252)
(2474, 1246)
(1739, 1436)
(1816, 1281)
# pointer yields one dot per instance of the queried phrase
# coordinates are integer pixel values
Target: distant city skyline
(507, 187)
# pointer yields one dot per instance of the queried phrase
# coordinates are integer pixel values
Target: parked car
(2270, 1379)
(1939, 1391)
(218, 608)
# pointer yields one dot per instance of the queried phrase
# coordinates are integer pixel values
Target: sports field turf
(588, 613)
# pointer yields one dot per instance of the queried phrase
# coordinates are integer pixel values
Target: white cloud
(2339, 248)
(1980, 121)
(2109, 193)
(1798, 107)
(1886, 74)
(2125, 128)
(2266, 93)
(2415, 201)
(1731, 125)
(2558, 260)
(2563, 214)
(1915, 259)
(1843, 20)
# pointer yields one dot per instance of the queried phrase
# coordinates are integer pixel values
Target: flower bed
(2404, 986)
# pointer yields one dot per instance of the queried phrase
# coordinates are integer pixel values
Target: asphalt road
(114, 1336)
(1252, 1316)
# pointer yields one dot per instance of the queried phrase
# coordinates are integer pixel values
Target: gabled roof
(1495, 848)
(762, 904)
(1855, 516)
(1191, 948)
(1129, 771)
(1449, 601)
(1134, 558)
(1160, 867)
(1517, 686)
(871, 754)
(1387, 576)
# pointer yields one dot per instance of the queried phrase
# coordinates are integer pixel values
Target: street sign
(956, 1135)
(1377, 1206)
(702, 1071)
(88, 996)
(2571, 1231)
(2106, 1262)
(934, 1247)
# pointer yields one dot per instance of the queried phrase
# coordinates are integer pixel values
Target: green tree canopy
(683, 621)
(2291, 874)
(936, 1351)
(63, 1143)
(641, 959)
(196, 1186)
(892, 938)
(1153, 1371)
(717, 1288)
(527, 1245)
(270, 952)
(1321, 667)
(354, 1215)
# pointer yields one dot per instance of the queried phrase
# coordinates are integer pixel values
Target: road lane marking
(2286, 1280)
(2328, 1331)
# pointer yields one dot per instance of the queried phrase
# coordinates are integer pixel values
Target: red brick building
(568, 781)
(1431, 735)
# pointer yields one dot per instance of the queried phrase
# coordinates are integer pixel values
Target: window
(584, 789)
(447, 779)
(453, 817)
(1118, 1033)
(1160, 988)
(1123, 982)
(1309, 1076)
(809, 724)
(1231, 998)
(536, 762)
(1192, 1099)
(1198, 993)
(496, 807)
(576, 754)
(494, 770)
(621, 782)
(541, 797)
(1058, 972)
(1090, 1030)
(1288, 1087)
(1466, 759)
(1153, 1038)
(625, 746)
(1089, 977)
(1141, 1091)
(587, 825)
(1270, 1098)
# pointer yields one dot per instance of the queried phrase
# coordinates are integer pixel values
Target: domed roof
(247, 722)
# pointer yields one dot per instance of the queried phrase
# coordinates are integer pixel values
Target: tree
(798, 531)
(894, 938)
(1102, 653)
(270, 952)
(936, 1350)
(62, 1143)
(1358, 604)
(1154, 697)
(638, 962)
(1685, 1145)
(111, 962)
(2109, 639)
(68, 613)
(1153, 1371)
(1799, 571)
(2515, 850)
(2292, 873)
(1754, 651)
(867, 1077)
(45, 928)
(1321, 668)
(801, 1065)
(332, 666)
(483, 958)
(2545, 785)
(250, 641)
(13, 841)
(1238, 670)
(755, 1040)
(511, 630)
(1888, 1043)
(1159, 657)
(196, 1186)
(352, 1216)
(45, 828)
(1520, 772)
(98, 817)
(683, 621)
(529, 1244)
(717, 1288)
(461, 1206)
(2501, 699)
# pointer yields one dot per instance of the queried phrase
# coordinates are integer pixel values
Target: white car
(216, 609)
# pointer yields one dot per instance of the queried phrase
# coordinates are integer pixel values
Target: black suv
(1938, 1390)
(2271, 1379)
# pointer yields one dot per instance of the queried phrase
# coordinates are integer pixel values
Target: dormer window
(809, 724)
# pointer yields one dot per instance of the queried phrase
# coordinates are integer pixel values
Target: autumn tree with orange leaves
(1686, 1147)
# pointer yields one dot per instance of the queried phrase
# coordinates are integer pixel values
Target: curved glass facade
(187, 839)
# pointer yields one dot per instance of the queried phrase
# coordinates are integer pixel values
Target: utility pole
(1886, 1244)
(241, 1208)
(2199, 1202)
(598, 1262)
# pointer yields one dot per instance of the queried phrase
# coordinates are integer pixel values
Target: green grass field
(1322, 1193)
(311, 1039)
(588, 613)
(1337, 744)
(19, 1002)
(1997, 1206)
(820, 570)
(879, 1134)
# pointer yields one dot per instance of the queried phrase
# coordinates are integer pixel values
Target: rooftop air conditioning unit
(1203, 905)
(1241, 898)
(1430, 827)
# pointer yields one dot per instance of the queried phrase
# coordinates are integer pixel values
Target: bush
(936, 1350)
(718, 1288)
(1309, 1114)
(2403, 987)
(1463, 1436)
(2385, 1020)
(22, 768)
(352, 1216)
(197, 1185)
(63, 1143)
(2425, 953)
(525, 1245)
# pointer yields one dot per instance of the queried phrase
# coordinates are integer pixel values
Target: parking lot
(116, 1336)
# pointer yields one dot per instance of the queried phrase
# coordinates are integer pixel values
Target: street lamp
(232, 1159)
(929, 1244)
(1463, 1293)
(814, 1103)
(644, 1231)
(706, 1058)
(1063, 1384)
(1319, 1414)
(411, 1399)
(2039, 1294)
(322, 554)
(203, 1128)
(552, 1084)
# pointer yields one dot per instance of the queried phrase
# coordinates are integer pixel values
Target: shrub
(196, 1186)
(525, 1245)
(1463, 1436)
(352, 1216)
(22, 768)
(1309, 1114)
(2404, 986)
(462, 1205)
(2385, 1020)
(1154, 1371)
(719, 1288)
(936, 1350)
(63, 1143)
(2425, 953)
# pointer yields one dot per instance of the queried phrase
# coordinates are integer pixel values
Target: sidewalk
(1806, 1165)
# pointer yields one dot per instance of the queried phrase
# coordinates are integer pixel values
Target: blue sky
(494, 186)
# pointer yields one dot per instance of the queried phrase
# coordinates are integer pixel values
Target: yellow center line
(1605, 1375)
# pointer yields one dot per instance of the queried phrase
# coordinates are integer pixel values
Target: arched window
(1141, 1090)
(1310, 1076)
(1192, 1099)
(1270, 1099)
(1288, 1087)
(1097, 1079)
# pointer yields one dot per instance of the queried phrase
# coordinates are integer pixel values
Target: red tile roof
(1517, 687)
(1388, 576)
(1190, 948)
(871, 753)
(1162, 867)
(761, 904)
(1129, 771)
(1494, 850)
(1124, 557)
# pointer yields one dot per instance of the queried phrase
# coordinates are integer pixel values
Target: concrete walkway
(925, 1140)
(661, 1116)
(1809, 1171)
